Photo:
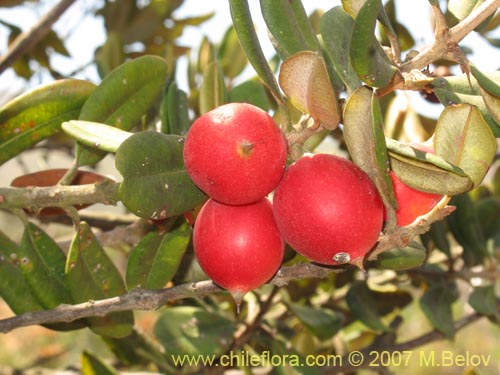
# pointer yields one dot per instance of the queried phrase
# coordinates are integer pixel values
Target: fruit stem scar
(245, 148)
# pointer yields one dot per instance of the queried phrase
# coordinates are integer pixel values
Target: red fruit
(325, 205)
(411, 202)
(238, 247)
(235, 153)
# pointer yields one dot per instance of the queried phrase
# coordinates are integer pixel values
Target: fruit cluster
(324, 206)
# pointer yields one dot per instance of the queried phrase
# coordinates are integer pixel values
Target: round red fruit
(328, 209)
(235, 153)
(411, 202)
(238, 247)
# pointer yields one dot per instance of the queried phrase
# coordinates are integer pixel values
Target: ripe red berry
(328, 209)
(411, 202)
(235, 153)
(238, 247)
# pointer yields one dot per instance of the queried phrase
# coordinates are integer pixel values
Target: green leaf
(352, 7)
(305, 25)
(123, 98)
(231, 56)
(367, 56)
(174, 111)
(193, 331)
(425, 171)
(465, 227)
(252, 92)
(155, 182)
(322, 323)
(404, 258)
(336, 30)
(156, 258)
(91, 275)
(243, 24)
(110, 55)
(38, 114)
(14, 289)
(436, 305)
(466, 89)
(92, 365)
(488, 212)
(42, 264)
(100, 136)
(295, 361)
(213, 88)
(463, 137)
(364, 137)
(484, 301)
(362, 304)
(287, 35)
(457, 10)
(304, 79)
(438, 233)
(490, 92)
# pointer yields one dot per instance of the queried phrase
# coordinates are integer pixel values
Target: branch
(401, 236)
(35, 198)
(146, 299)
(446, 40)
(26, 40)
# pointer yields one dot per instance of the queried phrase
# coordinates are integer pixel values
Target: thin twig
(446, 40)
(146, 299)
(35, 198)
(26, 40)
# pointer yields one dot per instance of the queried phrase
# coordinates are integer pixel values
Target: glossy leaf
(193, 331)
(155, 259)
(243, 24)
(367, 56)
(484, 301)
(212, 89)
(175, 111)
(323, 323)
(304, 79)
(465, 227)
(38, 114)
(425, 171)
(14, 289)
(336, 31)
(92, 365)
(399, 259)
(99, 136)
(362, 304)
(155, 182)
(364, 137)
(42, 264)
(463, 138)
(91, 275)
(122, 99)
(287, 35)
(436, 305)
